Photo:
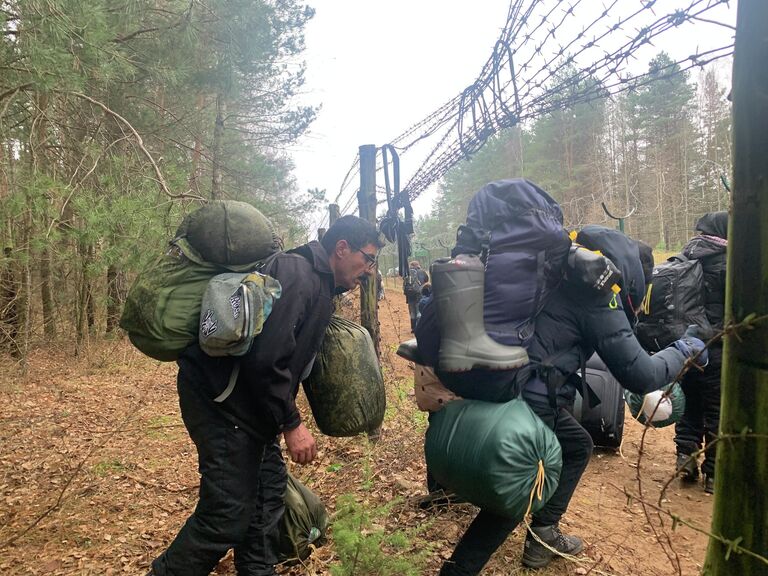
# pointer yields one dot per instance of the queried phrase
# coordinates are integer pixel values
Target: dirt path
(97, 475)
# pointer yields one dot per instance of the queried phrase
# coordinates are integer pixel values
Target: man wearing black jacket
(575, 322)
(237, 431)
(701, 419)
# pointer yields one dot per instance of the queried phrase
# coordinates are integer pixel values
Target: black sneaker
(537, 555)
(709, 484)
(687, 468)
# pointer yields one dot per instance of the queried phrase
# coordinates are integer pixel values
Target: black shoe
(439, 498)
(537, 555)
(687, 468)
(709, 484)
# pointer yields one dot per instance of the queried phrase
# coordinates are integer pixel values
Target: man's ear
(342, 247)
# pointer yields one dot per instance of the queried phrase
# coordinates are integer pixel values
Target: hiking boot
(536, 555)
(458, 286)
(687, 468)
(709, 484)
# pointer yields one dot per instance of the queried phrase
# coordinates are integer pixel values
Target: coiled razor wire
(543, 61)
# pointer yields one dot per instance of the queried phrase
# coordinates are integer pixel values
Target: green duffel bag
(162, 310)
(345, 388)
(228, 232)
(663, 410)
(305, 522)
(498, 456)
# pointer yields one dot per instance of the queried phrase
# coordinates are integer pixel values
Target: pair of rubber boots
(458, 288)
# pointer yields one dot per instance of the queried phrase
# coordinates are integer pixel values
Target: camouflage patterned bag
(304, 523)
(345, 388)
(233, 311)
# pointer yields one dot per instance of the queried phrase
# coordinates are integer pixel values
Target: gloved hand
(690, 345)
(592, 269)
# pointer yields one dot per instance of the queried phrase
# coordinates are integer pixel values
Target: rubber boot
(458, 286)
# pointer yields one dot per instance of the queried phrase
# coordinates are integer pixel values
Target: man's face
(350, 265)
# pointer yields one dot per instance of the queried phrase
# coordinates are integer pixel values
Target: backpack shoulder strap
(231, 385)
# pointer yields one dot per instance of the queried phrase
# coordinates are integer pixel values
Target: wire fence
(545, 59)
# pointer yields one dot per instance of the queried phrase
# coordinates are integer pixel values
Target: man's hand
(691, 346)
(300, 444)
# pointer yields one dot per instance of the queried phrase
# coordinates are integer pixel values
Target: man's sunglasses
(371, 260)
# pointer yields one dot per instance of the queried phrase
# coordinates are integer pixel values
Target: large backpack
(675, 300)
(517, 228)
(162, 313)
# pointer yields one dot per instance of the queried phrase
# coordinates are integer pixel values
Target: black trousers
(488, 531)
(701, 420)
(241, 499)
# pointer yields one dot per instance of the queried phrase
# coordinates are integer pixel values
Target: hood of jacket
(316, 254)
(624, 253)
(704, 246)
(713, 224)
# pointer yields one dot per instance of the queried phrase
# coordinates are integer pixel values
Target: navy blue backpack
(517, 229)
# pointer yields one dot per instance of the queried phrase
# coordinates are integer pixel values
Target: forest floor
(97, 475)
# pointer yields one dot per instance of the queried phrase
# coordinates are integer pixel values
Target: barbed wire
(546, 60)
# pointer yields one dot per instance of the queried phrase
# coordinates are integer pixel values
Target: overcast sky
(378, 66)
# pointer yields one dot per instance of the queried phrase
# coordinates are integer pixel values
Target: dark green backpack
(162, 310)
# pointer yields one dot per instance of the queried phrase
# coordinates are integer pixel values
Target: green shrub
(365, 548)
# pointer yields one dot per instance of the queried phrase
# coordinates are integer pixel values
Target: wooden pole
(333, 213)
(739, 546)
(366, 200)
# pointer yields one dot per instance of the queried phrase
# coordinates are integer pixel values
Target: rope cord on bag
(538, 487)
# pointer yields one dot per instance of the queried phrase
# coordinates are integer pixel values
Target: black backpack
(413, 283)
(674, 301)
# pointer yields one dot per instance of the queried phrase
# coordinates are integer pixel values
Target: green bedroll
(498, 456)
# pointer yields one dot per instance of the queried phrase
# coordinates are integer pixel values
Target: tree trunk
(46, 294)
(218, 137)
(115, 297)
(197, 152)
(741, 475)
(83, 301)
(9, 303)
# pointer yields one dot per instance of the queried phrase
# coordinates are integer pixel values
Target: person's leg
(229, 465)
(487, 532)
(257, 554)
(413, 314)
(576, 445)
(711, 415)
(690, 429)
